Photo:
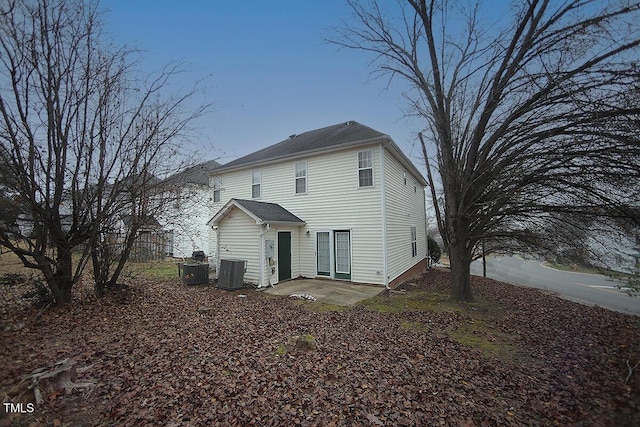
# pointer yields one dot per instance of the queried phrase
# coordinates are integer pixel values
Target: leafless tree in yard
(526, 119)
(83, 139)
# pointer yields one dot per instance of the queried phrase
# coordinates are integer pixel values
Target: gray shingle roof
(262, 212)
(198, 174)
(348, 133)
(268, 212)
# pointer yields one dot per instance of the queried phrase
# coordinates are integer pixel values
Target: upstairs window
(256, 177)
(365, 169)
(301, 177)
(216, 190)
(414, 242)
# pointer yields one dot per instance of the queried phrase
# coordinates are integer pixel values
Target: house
(342, 202)
(184, 219)
(149, 242)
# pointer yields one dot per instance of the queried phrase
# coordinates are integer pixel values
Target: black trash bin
(195, 274)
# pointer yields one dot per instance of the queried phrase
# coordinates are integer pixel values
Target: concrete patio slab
(327, 291)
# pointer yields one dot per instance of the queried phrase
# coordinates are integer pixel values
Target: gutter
(216, 229)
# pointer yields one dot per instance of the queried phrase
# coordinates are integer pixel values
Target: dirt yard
(165, 354)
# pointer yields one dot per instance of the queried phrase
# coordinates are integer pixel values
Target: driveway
(327, 291)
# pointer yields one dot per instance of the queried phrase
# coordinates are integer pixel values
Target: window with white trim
(365, 168)
(414, 242)
(301, 177)
(256, 177)
(216, 189)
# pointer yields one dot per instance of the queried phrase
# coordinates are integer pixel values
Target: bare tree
(527, 115)
(82, 137)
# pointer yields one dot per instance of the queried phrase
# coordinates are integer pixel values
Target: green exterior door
(284, 255)
(342, 242)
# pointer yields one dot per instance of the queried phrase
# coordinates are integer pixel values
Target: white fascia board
(228, 208)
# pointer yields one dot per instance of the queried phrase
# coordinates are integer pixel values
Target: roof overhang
(404, 160)
(385, 140)
(233, 204)
(302, 154)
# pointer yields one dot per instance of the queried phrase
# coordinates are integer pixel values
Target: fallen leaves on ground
(158, 358)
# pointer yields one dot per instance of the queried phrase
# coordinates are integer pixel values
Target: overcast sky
(269, 73)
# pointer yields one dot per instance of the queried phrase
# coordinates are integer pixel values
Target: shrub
(434, 250)
(11, 279)
(40, 295)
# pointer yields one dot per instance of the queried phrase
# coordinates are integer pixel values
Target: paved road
(591, 289)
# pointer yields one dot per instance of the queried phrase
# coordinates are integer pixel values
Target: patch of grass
(163, 269)
(281, 350)
(475, 331)
(10, 263)
(479, 334)
(414, 326)
(575, 268)
(413, 300)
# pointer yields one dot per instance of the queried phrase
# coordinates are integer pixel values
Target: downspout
(426, 235)
(385, 268)
(260, 276)
(426, 228)
(216, 229)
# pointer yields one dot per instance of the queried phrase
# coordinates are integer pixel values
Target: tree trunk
(460, 260)
(62, 296)
(63, 277)
(99, 279)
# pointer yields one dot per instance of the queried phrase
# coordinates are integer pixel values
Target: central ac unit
(231, 274)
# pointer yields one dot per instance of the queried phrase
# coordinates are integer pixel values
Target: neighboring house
(21, 227)
(185, 217)
(341, 202)
(615, 245)
(150, 240)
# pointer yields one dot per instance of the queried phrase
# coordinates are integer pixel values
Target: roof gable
(327, 138)
(261, 212)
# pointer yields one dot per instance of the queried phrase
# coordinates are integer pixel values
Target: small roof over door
(261, 212)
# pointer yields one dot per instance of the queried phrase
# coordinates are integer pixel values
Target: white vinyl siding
(332, 203)
(256, 184)
(405, 209)
(365, 168)
(240, 239)
(301, 177)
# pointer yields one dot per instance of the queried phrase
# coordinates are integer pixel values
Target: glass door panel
(323, 254)
(343, 255)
